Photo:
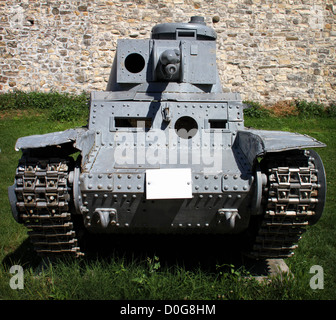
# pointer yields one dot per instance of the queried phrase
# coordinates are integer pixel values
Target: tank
(165, 150)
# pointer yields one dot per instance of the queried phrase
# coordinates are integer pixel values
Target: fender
(255, 143)
(82, 139)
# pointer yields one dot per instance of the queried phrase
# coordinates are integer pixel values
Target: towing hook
(105, 216)
(230, 216)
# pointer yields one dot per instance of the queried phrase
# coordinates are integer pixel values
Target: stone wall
(269, 50)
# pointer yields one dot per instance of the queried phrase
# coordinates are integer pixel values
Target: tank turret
(166, 151)
(179, 57)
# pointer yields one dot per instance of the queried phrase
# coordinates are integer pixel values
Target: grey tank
(165, 150)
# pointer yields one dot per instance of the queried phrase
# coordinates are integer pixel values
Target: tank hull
(193, 177)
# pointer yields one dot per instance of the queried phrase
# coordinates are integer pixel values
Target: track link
(293, 193)
(43, 202)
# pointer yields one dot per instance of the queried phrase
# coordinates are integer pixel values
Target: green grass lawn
(178, 270)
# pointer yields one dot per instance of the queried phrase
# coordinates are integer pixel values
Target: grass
(168, 268)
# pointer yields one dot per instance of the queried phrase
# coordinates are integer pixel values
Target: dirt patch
(11, 114)
(284, 109)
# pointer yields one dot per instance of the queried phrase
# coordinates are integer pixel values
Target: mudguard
(256, 143)
(82, 139)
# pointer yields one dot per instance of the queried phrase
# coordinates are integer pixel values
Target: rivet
(100, 176)
(100, 186)
(206, 187)
(119, 186)
(235, 187)
(226, 187)
(90, 186)
(226, 177)
(109, 186)
(129, 187)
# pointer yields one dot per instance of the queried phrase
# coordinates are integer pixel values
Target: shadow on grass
(192, 252)
(24, 255)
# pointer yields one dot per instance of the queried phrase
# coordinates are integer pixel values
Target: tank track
(43, 203)
(291, 201)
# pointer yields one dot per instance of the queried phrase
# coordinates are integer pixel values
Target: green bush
(255, 110)
(60, 106)
(310, 109)
(70, 107)
(331, 110)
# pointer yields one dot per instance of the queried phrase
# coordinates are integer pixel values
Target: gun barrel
(170, 61)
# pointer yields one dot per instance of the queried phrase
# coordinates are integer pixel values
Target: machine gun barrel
(170, 63)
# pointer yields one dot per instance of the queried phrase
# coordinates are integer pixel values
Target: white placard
(168, 184)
